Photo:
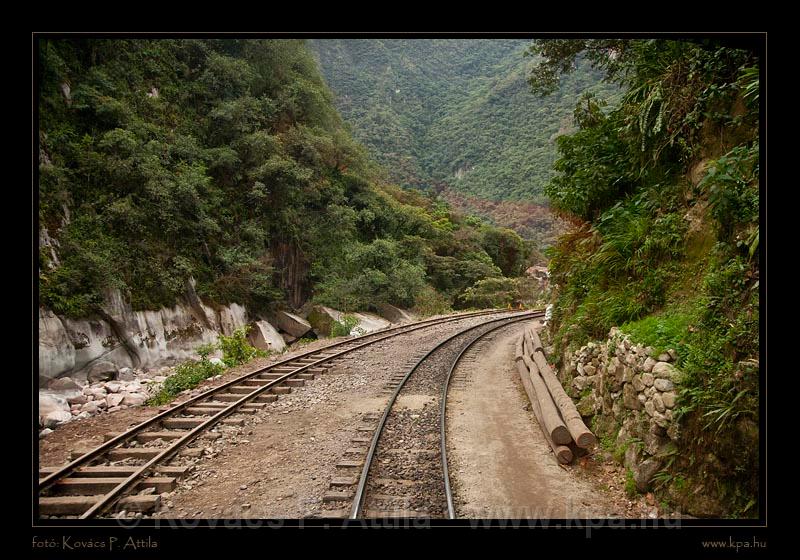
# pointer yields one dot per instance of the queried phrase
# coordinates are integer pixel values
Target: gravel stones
(113, 387)
(51, 403)
(645, 384)
(636, 387)
(580, 382)
(114, 399)
(95, 392)
(134, 388)
(126, 374)
(78, 399)
(92, 407)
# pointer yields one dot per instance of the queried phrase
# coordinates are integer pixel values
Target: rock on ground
(64, 384)
(101, 371)
(266, 337)
(395, 314)
(322, 319)
(56, 417)
(291, 323)
(52, 403)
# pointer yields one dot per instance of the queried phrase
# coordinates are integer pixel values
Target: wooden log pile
(560, 421)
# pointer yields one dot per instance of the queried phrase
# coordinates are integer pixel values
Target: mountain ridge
(455, 116)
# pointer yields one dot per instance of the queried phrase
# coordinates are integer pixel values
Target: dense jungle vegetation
(456, 114)
(225, 161)
(663, 191)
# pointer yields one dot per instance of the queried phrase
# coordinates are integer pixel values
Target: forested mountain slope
(458, 116)
(224, 161)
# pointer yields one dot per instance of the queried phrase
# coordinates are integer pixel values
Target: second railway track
(403, 471)
(130, 469)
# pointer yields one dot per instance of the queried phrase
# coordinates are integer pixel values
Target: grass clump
(630, 484)
(664, 330)
(188, 375)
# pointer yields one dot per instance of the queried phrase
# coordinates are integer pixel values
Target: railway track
(130, 470)
(403, 472)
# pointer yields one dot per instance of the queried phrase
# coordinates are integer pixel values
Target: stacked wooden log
(560, 421)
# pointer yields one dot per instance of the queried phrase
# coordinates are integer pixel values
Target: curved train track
(135, 460)
(405, 473)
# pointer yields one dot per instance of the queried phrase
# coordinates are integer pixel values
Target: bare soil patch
(502, 467)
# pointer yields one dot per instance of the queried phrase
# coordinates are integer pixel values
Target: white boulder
(265, 337)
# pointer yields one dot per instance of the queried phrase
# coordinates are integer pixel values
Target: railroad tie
(109, 471)
(332, 496)
(77, 505)
(88, 486)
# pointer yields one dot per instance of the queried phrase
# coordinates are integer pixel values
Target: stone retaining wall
(629, 395)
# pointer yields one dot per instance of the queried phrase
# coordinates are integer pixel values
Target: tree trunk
(551, 420)
(519, 349)
(563, 454)
(537, 342)
(572, 418)
(529, 342)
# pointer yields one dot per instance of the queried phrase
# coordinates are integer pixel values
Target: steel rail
(451, 513)
(358, 499)
(175, 445)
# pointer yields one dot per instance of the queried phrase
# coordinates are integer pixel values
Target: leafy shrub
(236, 349)
(490, 292)
(594, 168)
(377, 272)
(429, 302)
(502, 292)
(187, 376)
(732, 185)
(507, 250)
(345, 326)
(205, 349)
